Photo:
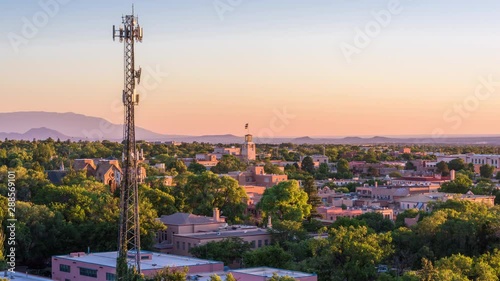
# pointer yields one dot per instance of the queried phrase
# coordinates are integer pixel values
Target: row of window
(183, 246)
(252, 244)
(259, 243)
(483, 161)
(87, 272)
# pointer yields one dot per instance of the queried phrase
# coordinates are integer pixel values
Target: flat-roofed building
(255, 175)
(265, 273)
(317, 159)
(391, 193)
(333, 213)
(475, 159)
(421, 201)
(102, 266)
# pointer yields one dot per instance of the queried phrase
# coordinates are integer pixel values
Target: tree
(312, 197)
(457, 164)
(215, 277)
(206, 191)
(269, 168)
(178, 166)
(308, 165)
(410, 166)
(285, 201)
(230, 277)
(442, 167)
(342, 166)
(285, 231)
(349, 253)
(276, 277)
(169, 274)
(376, 221)
(461, 184)
(163, 202)
(272, 256)
(372, 171)
(323, 171)
(498, 176)
(228, 250)
(486, 171)
(395, 174)
(196, 168)
(43, 153)
(227, 164)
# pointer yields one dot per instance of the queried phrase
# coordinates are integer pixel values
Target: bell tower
(248, 150)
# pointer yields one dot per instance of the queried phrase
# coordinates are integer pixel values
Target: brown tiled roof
(81, 164)
(185, 218)
(104, 167)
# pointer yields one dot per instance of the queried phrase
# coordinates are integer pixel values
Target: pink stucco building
(333, 213)
(185, 231)
(257, 237)
(184, 223)
(256, 176)
(102, 266)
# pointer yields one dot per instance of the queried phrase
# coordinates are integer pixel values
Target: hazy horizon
(276, 136)
(263, 58)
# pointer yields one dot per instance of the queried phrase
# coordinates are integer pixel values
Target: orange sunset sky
(261, 57)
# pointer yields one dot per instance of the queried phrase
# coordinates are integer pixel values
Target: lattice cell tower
(129, 242)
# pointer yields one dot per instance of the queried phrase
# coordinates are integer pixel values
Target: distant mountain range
(30, 125)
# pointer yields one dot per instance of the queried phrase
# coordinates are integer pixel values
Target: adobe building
(317, 159)
(475, 159)
(102, 266)
(185, 231)
(257, 237)
(333, 213)
(394, 192)
(184, 223)
(246, 153)
(421, 201)
(256, 176)
(107, 171)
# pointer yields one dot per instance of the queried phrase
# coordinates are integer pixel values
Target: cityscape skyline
(256, 62)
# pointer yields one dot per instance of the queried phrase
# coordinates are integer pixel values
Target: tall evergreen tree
(313, 199)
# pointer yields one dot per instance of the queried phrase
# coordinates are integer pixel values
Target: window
(252, 244)
(184, 245)
(64, 268)
(266, 242)
(259, 243)
(178, 247)
(110, 277)
(189, 246)
(88, 272)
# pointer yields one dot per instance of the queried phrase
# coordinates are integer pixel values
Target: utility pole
(129, 242)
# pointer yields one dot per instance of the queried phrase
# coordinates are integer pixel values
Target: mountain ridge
(28, 125)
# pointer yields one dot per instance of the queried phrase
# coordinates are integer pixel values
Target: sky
(288, 68)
